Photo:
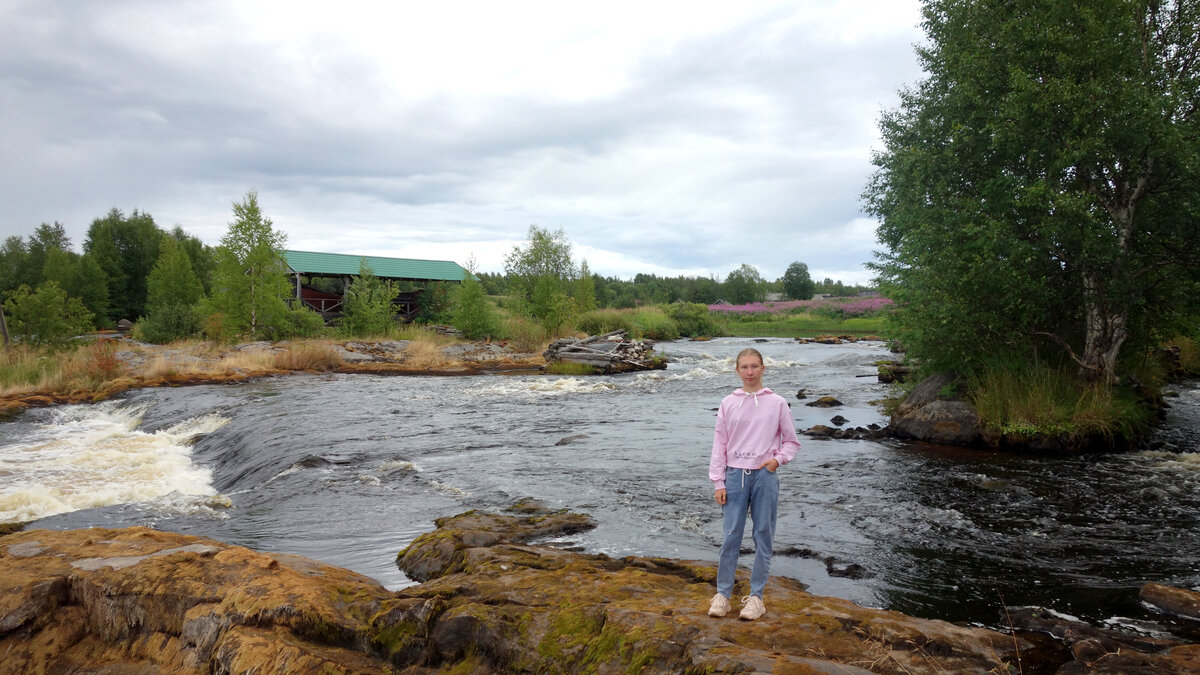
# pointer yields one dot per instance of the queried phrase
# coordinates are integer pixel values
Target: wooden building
(307, 265)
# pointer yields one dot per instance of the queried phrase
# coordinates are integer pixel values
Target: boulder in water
(824, 402)
(933, 412)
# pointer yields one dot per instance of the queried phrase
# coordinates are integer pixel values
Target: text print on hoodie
(751, 429)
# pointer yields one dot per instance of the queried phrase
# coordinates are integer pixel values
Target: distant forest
(651, 289)
(119, 252)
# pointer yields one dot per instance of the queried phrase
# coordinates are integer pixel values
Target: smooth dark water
(349, 469)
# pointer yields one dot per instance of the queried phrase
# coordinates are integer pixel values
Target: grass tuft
(308, 356)
(567, 368)
(1034, 399)
(425, 353)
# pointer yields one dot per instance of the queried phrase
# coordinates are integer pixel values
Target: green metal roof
(345, 264)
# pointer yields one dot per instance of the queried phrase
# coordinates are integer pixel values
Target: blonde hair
(749, 351)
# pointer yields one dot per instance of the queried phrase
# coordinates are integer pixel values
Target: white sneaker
(719, 605)
(752, 608)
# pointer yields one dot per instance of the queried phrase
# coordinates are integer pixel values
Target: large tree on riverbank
(250, 281)
(1043, 179)
(125, 248)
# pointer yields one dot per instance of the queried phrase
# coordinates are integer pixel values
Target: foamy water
(89, 456)
(540, 386)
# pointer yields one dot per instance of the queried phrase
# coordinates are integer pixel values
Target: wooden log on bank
(610, 352)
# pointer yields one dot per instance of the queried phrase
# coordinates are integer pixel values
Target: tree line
(172, 285)
(167, 281)
(744, 284)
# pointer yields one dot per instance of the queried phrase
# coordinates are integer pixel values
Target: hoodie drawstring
(754, 396)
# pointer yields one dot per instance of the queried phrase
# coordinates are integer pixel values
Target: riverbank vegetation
(168, 288)
(106, 364)
(1040, 207)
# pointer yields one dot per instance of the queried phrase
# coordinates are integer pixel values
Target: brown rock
(824, 402)
(141, 601)
(138, 600)
(1174, 600)
(932, 412)
(947, 422)
(649, 614)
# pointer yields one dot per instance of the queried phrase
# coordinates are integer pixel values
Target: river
(348, 469)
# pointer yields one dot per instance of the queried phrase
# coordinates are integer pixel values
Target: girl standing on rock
(755, 436)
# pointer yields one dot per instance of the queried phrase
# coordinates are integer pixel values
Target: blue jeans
(756, 490)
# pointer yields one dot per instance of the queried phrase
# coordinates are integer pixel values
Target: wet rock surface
(1101, 650)
(140, 600)
(1177, 601)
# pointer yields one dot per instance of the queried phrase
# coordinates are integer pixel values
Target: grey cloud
(116, 121)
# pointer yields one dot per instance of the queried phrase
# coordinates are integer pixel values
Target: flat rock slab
(140, 600)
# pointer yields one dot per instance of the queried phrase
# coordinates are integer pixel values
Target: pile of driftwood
(608, 353)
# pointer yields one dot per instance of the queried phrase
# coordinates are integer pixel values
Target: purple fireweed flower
(845, 307)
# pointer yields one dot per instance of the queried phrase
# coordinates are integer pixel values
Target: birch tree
(250, 281)
(1042, 183)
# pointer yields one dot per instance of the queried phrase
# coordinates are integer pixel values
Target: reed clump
(25, 368)
(248, 361)
(1029, 398)
(88, 368)
(315, 356)
(83, 367)
(425, 353)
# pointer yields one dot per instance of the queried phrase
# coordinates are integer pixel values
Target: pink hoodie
(751, 429)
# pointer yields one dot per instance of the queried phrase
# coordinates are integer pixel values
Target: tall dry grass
(87, 366)
(1189, 354)
(308, 356)
(23, 369)
(424, 353)
(94, 368)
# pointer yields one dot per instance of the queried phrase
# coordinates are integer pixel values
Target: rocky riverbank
(142, 601)
(118, 364)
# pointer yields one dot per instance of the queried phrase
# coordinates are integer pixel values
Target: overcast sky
(662, 137)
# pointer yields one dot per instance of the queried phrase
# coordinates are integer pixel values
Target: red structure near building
(308, 265)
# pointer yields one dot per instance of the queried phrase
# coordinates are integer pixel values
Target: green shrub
(472, 313)
(652, 323)
(693, 319)
(600, 321)
(369, 311)
(46, 316)
(525, 334)
(303, 322)
(168, 323)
